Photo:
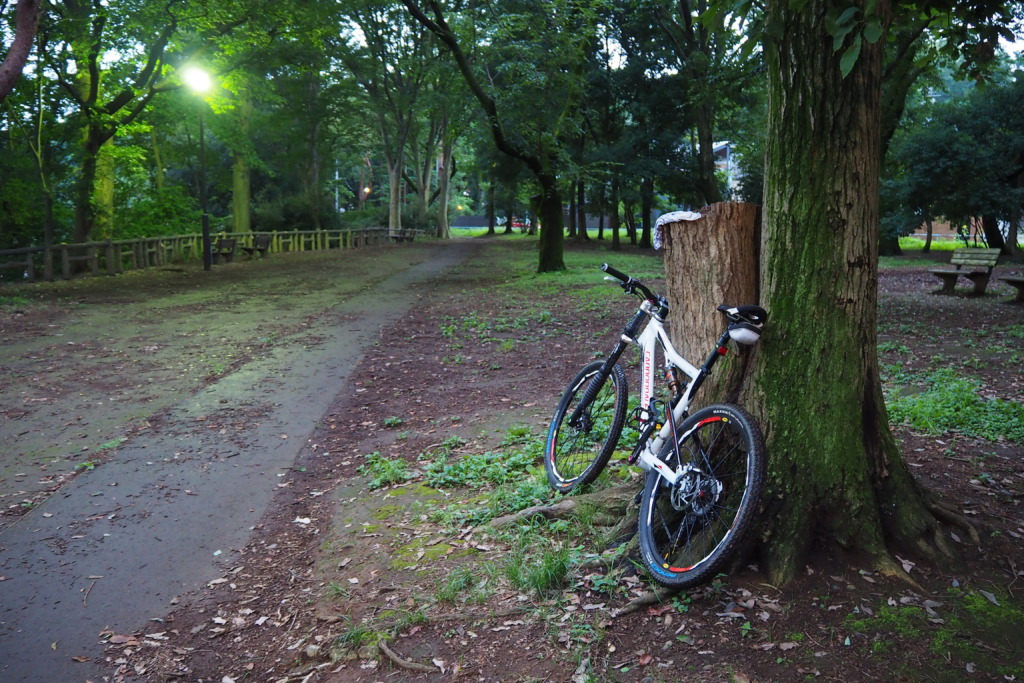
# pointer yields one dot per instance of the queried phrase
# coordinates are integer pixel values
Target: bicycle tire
(575, 456)
(688, 531)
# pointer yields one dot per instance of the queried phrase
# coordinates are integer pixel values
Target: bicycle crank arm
(650, 461)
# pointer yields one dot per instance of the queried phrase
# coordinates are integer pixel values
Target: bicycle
(705, 471)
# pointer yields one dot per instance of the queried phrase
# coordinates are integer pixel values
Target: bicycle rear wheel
(577, 453)
(690, 529)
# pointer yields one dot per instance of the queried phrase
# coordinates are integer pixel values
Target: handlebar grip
(618, 274)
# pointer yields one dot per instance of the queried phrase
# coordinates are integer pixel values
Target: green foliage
(951, 403)
(519, 453)
(384, 472)
(538, 570)
(464, 584)
(957, 159)
(355, 636)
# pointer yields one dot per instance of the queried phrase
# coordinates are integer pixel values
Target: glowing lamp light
(197, 79)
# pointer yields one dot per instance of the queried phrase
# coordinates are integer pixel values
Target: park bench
(403, 235)
(260, 245)
(982, 261)
(225, 249)
(1017, 282)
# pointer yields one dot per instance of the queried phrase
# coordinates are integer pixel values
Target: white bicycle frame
(652, 336)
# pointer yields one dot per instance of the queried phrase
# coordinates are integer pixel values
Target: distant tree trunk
(491, 212)
(993, 235)
(549, 215)
(313, 160)
(1011, 242)
(444, 176)
(835, 473)
(85, 211)
(241, 191)
(26, 23)
(103, 193)
(928, 235)
(241, 173)
(646, 206)
(572, 212)
(158, 162)
(613, 217)
(510, 212)
(581, 209)
(706, 153)
(630, 220)
(395, 193)
(889, 245)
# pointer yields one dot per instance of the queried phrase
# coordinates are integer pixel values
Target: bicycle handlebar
(630, 284)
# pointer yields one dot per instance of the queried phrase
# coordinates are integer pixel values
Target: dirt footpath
(146, 421)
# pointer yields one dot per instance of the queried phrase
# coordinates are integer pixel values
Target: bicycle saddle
(745, 322)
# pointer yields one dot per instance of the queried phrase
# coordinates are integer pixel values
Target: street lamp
(200, 83)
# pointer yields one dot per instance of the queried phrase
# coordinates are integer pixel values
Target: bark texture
(835, 473)
(709, 262)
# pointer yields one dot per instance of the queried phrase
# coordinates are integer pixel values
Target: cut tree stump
(708, 262)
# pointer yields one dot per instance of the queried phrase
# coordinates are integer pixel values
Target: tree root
(405, 663)
(560, 510)
(606, 505)
(945, 513)
(476, 616)
(655, 597)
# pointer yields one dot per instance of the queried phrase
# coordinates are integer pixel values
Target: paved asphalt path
(164, 515)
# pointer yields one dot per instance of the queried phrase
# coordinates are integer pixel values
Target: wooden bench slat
(980, 263)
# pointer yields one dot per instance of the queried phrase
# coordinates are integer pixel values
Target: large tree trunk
(27, 21)
(85, 211)
(549, 215)
(836, 473)
(709, 262)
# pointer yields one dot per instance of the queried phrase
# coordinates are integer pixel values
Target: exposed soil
(333, 558)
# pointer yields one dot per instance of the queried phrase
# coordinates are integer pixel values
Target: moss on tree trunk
(835, 472)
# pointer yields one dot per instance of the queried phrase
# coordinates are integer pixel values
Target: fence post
(111, 266)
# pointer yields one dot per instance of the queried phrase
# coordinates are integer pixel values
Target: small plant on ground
(384, 472)
(951, 403)
(457, 585)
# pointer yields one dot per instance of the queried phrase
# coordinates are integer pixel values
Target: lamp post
(199, 82)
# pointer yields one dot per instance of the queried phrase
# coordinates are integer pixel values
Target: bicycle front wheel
(577, 451)
(690, 529)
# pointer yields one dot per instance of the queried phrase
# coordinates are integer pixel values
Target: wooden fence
(116, 256)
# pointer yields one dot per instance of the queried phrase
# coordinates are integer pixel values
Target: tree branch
(27, 22)
(439, 27)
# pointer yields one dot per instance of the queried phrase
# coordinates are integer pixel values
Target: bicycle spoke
(691, 526)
